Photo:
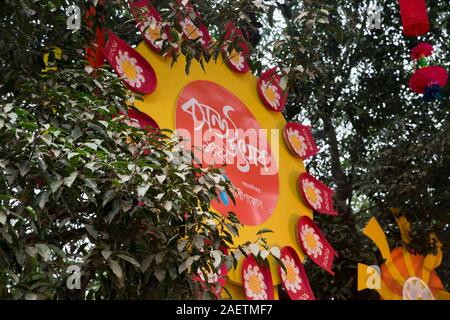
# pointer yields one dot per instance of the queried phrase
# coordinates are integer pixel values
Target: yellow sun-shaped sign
(404, 275)
(277, 190)
(229, 118)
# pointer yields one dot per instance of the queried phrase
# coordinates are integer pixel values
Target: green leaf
(160, 274)
(116, 269)
(130, 260)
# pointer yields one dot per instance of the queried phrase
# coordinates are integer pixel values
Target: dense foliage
(382, 146)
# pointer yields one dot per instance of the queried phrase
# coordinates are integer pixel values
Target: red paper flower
(427, 77)
(422, 50)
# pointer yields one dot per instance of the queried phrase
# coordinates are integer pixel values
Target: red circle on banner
(222, 131)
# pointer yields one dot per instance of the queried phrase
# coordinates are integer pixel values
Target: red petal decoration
(256, 280)
(316, 194)
(428, 76)
(236, 61)
(149, 23)
(414, 17)
(270, 91)
(422, 50)
(195, 31)
(314, 244)
(145, 121)
(299, 140)
(137, 73)
(294, 279)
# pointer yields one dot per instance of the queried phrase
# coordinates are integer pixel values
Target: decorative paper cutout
(404, 275)
(314, 244)
(427, 77)
(142, 120)
(195, 32)
(235, 60)
(422, 50)
(299, 140)
(149, 23)
(316, 194)
(414, 17)
(256, 280)
(294, 279)
(270, 91)
(130, 65)
(192, 28)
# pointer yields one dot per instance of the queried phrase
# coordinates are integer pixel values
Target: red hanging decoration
(427, 77)
(414, 17)
(422, 50)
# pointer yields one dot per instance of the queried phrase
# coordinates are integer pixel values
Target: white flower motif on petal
(213, 277)
(313, 194)
(271, 94)
(311, 241)
(254, 285)
(152, 32)
(191, 31)
(236, 59)
(128, 68)
(297, 142)
(291, 277)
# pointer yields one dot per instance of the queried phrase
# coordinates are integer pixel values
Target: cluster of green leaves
(79, 186)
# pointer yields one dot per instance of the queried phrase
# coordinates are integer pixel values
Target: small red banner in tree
(137, 73)
(235, 59)
(414, 17)
(293, 277)
(299, 140)
(256, 280)
(270, 91)
(316, 194)
(314, 244)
